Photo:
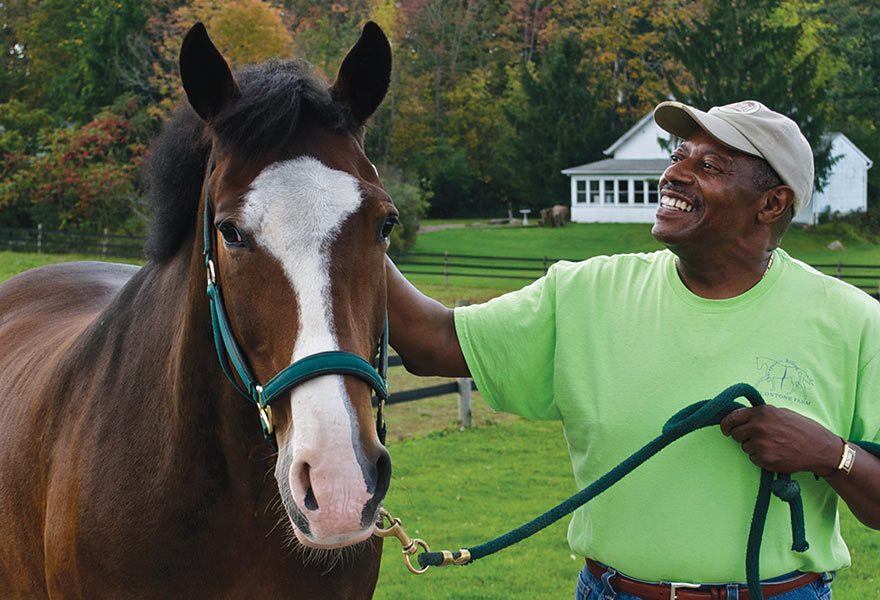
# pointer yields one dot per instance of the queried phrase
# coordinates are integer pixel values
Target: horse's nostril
(309, 500)
(383, 474)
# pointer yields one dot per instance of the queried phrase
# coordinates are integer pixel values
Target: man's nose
(679, 171)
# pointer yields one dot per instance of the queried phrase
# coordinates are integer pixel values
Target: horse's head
(300, 229)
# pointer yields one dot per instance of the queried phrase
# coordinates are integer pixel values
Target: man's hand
(783, 441)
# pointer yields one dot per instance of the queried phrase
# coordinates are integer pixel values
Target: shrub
(412, 204)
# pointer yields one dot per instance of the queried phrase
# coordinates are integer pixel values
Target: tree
(624, 42)
(71, 50)
(754, 50)
(559, 121)
(83, 178)
(855, 91)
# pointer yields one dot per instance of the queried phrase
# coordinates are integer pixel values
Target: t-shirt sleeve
(508, 344)
(866, 420)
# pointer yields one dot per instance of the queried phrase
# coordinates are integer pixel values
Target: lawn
(459, 488)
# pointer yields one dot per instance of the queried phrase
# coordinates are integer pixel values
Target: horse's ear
(365, 73)
(206, 77)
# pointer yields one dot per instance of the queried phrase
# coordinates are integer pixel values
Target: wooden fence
(41, 240)
(864, 277)
(446, 265)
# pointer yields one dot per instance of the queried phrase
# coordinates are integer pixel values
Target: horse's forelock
(275, 98)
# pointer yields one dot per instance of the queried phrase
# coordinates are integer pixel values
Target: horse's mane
(275, 98)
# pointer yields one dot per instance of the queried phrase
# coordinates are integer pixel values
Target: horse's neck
(168, 330)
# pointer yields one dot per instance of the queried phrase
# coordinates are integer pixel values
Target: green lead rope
(689, 419)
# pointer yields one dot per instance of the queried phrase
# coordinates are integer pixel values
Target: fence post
(104, 244)
(446, 268)
(839, 270)
(464, 391)
(40, 238)
(545, 264)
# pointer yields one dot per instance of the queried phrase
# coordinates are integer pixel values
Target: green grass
(457, 488)
(12, 263)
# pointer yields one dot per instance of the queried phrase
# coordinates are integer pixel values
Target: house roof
(629, 133)
(621, 166)
(839, 135)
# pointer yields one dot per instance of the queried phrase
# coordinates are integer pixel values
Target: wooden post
(464, 391)
(104, 244)
(545, 264)
(839, 270)
(40, 238)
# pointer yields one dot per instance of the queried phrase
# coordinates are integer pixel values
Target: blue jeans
(591, 588)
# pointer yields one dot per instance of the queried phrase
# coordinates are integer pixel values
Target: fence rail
(42, 240)
(864, 277)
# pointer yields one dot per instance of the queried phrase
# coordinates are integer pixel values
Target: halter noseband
(333, 362)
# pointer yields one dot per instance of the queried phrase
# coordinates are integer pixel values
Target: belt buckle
(674, 587)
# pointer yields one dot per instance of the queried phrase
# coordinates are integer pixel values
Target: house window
(594, 191)
(653, 196)
(608, 191)
(639, 192)
(581, 191)
(623, 191)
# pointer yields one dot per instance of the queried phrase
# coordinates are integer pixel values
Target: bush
(412, 204)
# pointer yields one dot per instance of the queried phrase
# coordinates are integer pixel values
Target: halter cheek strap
(334, 362)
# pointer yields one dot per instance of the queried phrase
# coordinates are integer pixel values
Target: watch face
(848, 458)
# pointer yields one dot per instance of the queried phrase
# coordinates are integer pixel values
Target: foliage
(245, 31)
(82, 178)
(68, 53)
(766, 55)
(540, 147)
(412, 203)
(855, 91)
(488, 101)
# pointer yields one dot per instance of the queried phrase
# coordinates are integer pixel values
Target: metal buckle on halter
(265, 412)
(674, 587)
(212, 275)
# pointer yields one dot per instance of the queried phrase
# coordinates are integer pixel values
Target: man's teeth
(677, 204)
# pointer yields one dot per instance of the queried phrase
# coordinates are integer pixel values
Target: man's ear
(776, 203)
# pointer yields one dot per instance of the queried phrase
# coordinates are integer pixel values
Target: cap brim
(682, 120)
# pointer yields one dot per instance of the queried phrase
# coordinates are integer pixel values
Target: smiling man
(613, 346)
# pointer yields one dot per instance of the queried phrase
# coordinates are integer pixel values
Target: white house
(623, 188)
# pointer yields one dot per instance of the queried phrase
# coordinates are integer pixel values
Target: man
(614, 346)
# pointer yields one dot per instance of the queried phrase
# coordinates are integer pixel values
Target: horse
(130, 465)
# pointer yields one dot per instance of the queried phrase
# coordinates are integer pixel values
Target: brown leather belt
(678, 591)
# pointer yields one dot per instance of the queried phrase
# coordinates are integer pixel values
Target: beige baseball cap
(749, 127)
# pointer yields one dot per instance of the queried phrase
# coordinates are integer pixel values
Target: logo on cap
(745, 107)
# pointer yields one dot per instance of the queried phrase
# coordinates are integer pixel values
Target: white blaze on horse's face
(295, 210)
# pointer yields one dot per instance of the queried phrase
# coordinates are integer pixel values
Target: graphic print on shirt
(784, 380)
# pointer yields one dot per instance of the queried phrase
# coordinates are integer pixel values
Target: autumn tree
(754, 49)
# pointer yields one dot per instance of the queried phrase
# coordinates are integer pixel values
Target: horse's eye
(230, 234)
(389, 224)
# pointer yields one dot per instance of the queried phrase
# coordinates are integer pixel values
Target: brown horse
(130, 467)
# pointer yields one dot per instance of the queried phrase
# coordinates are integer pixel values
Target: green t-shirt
(616, 345)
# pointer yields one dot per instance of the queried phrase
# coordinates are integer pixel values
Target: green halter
(334, 362)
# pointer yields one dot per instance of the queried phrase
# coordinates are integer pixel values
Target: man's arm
(422, 330)
(783, 441)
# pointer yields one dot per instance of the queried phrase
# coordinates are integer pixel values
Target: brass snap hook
(410, 545)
